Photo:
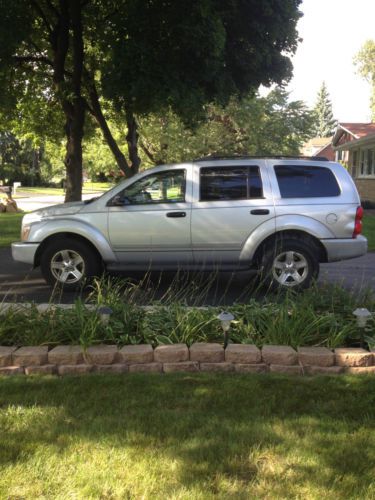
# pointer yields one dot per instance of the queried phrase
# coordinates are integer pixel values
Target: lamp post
(225, 318)
(104, 314)
(362, 316)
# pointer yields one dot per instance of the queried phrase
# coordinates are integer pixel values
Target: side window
(302, 181)
(230, 183)
(163, 187)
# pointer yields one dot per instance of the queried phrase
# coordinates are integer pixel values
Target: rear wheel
(69, 264)
(290, 264)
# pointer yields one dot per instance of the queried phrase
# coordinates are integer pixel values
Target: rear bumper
(348, 248)
(24, 252)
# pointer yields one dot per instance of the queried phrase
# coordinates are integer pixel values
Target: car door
(229, 203)
(149, 221)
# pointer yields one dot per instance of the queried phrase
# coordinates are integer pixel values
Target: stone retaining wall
(240, 358)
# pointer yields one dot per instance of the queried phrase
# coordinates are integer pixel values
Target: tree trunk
(75, 111)
(96, 111)
(132, 140)
(73, 157)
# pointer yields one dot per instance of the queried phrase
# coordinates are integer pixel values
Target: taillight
(358, 222)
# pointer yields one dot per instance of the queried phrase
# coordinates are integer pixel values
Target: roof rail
(247, 157)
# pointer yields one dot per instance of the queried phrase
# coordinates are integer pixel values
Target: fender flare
(307, 225)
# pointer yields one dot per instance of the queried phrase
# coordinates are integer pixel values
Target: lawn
(180, 436)
(88, 188)
(10, 228)
(369, 230)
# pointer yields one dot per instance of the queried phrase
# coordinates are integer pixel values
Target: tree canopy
(62, 59)
(365, 62)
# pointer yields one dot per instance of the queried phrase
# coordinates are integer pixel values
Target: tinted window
(230, 183)
(302, 181)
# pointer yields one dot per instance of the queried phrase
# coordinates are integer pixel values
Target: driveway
(18, 282)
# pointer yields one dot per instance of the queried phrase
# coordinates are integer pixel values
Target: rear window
(230, 183)
(302, 181)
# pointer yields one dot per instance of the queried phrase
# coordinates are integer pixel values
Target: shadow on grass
(223, 433)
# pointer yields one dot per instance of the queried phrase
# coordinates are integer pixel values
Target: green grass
(187, 437)
(88, 187)
(369, 230)
(10, 228)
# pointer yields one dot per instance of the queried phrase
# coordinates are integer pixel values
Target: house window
(367, 162)
(354, 164)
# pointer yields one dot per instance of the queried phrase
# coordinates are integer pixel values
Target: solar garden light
(225, 318)
(362, 316)
(104, 314)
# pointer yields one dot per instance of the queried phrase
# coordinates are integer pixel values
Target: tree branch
(42, 15)
(35, 59)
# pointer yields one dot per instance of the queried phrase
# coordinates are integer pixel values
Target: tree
(252, 125)
(324, 120)
(365, 62)
(143, 56)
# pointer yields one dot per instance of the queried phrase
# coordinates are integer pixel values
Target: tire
(290, 264)
(69, 264)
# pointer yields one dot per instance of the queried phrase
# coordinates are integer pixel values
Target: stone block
(6, 355)
(360, 370)
(279, 355)
(66, 355)
(243, 353)
(115, 368)
(315, 356)
(287, 369)
(207, 353)
(353, 356)
(30, 356)
(184, 366)
(324, 370)
(101, 354)
(250, 368)
(74, 369)
(146, 368)
(41, 370)
(12, 370)
(173, 353)
(216, 367)
(136, 354)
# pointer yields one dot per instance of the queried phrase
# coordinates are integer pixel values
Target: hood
(70, 208)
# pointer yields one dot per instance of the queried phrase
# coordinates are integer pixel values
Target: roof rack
(246, 157)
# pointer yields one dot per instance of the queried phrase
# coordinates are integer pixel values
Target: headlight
(25, 231)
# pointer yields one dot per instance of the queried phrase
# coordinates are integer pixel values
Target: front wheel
(69, 264)
(290, 264)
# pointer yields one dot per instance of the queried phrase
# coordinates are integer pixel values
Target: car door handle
(260, 211)
(176, 214)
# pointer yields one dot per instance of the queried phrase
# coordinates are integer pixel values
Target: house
(319, 146)
(354, 146)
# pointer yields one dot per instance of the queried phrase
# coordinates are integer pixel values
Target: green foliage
(365, 63)
(319, 316)
(252, 125)
(324, 120)
(185, 54)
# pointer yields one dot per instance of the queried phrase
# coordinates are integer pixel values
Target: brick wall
(366, 189)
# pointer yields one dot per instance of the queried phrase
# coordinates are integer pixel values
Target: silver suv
(280, 215)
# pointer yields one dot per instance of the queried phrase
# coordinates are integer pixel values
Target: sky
(333, 31)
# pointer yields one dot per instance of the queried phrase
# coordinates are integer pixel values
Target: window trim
(229, 167)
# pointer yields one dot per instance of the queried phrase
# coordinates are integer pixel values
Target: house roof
(358, 129)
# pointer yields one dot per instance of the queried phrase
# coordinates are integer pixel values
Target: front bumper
(24, 252)
(348, 248)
